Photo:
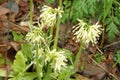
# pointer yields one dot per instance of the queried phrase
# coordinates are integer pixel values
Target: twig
(99, 50)
(103, 68)
(19, 27)
(3, 45)
(26, 17)
(112, 44)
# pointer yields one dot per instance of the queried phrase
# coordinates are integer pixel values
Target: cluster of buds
(87, 33)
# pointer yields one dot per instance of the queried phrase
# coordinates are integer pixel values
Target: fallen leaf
(3, 24)
(3, 10)
(80, 77)
(14, 7)
(15, 45)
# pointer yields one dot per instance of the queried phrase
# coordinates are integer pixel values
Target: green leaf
(64, 16)
(75, 16)
(118, 57)
(17, 36)
(92, 11)
(69, 55)
(116, 20)
(3, 73)
(84, 8)
(66, 74)
(107, 5)
(112, 31)
(19, 62)
(50, 1)
(108, 20)
(27, 50)
(76, 4)
(67, 4)
(29, 76)
(1, 0)
(99, 57)
(1, 59)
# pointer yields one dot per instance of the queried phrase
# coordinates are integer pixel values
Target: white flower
(58, 11)
(57, 59)
(36, 36)
(48, 15)
(87, 33)
(25, 23)
(40, 53)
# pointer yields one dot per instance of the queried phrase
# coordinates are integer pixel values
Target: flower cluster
(49, 15)
(57, 59)
(47, 18)
(87, 33)
(36, 36)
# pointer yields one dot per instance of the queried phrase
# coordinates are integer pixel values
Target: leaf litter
(91, 69)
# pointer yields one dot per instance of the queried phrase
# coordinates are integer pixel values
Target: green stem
(57, 33)
(106, 8)
(37, 63)
(31, 14)
(104, 16)
(103, 37)
(47, 74)
(51, 35)
(57, 29)
(51, 31)
(78, 57)
(117, 3)
(70, 11)
(75, 62)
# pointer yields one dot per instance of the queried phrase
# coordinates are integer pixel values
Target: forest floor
(98, 62)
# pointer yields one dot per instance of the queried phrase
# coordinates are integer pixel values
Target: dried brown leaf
(15, 45)
(3, 10)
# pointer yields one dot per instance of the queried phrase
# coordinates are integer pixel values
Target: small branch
(19, 27)
(24, 18)
(112, 44)
(103, 68)
(99, 50)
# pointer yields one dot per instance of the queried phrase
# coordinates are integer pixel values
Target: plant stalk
(76, 61)
(51, 35)
(57, 27)
(78, 57)
(31, 14)
(37, 63)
